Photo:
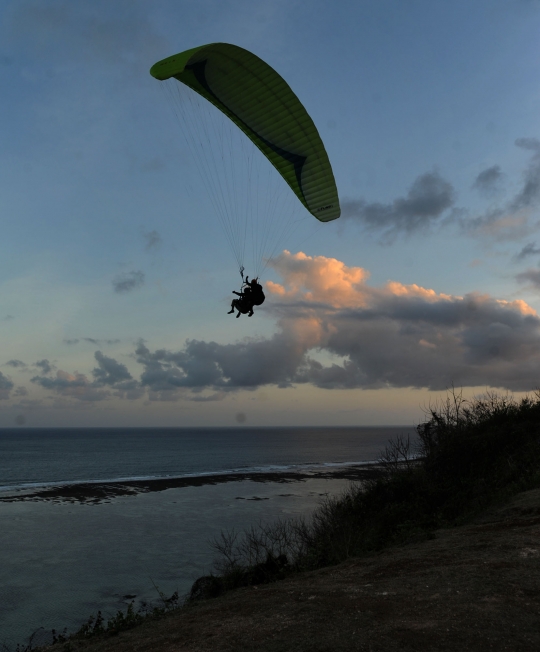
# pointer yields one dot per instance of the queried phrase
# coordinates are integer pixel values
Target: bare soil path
(475, 587)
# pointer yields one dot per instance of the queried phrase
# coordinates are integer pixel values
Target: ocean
(63, 559)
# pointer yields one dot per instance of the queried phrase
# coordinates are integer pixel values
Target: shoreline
(97, 492)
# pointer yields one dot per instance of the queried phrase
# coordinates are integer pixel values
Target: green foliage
(467, 456)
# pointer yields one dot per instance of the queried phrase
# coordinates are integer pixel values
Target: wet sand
(96, 492)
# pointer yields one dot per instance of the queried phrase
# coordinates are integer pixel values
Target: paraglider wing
(264, 107)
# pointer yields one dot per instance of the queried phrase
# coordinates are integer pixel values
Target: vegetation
(467, 456)
(98, 625)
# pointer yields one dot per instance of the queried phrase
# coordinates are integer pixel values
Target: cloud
(5, 387)
(45, 366)
(428, 198)
(202, 365)
(391, 336)
(531, 276)
(91, 340)
(109, 371)
(512, 221)
(368, 337)
(530, 193)
(128, 281)
(488, 180)
(500, 225)
(197, 398)
(529, 249)
(152, 240)
(111, 378)
(116, 375)
(74, 385)
(16, 363)
(431, 195)
(112, 33)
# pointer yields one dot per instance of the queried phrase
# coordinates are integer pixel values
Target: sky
(116, 276)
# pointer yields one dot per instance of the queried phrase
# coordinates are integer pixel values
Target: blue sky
(115, 277)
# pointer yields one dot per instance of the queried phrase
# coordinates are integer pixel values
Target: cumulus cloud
(488, 180)
(74, 385)
(428, 198)
(45, 366)
(202, 365)
(110, 378)
(128, 281)
(109, 371)
(116, 376)
(391, 336)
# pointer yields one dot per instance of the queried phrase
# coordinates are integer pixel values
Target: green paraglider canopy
(264, 107)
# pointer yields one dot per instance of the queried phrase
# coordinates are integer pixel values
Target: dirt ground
(475, 587)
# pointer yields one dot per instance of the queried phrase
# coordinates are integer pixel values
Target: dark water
(51, 456)
(62, 561)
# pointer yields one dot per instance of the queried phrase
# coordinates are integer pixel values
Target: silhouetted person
(256, 291)
(251, 295)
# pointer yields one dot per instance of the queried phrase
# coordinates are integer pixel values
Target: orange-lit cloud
(394, 335)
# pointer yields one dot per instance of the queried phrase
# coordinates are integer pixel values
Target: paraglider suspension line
(242, 271)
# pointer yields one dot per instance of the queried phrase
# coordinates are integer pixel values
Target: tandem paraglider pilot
(251, 95)
(250, 295)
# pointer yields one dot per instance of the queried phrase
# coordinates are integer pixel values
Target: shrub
(467, 455)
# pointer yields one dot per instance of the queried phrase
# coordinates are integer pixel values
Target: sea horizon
(33, 457)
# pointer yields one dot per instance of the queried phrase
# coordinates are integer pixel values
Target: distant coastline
(96, 492)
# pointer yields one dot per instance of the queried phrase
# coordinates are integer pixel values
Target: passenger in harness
(250, 295)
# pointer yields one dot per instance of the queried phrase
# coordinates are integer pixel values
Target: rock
(206, 587)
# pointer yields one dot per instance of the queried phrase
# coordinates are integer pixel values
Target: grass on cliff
(467, 455)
